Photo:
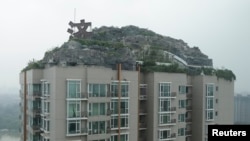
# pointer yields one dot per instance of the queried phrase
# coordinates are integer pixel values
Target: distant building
(242, 109)
(90, 103)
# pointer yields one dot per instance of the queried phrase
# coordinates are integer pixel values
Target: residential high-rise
(93, 103)
(241, 109)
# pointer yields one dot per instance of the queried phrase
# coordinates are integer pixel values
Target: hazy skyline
(219, 28)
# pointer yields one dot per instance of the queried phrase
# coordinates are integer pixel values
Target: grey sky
(220, 28)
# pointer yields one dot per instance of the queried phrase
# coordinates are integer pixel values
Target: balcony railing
(173, 135)
(84, 114)
(188, 120)
(108, 129)
(189, 96)
(81, 95)
(143, 97)
(143, 111)
(143, 125)
(188, 133)
(173, 121)
(36, 93)
(189, 108)
(84, 131)
(173, 94)
(36, 111)
(168, 95)
(122, 111)
(170, 109)
(36, 128)
(143, 139)
(84, 95)
(109, 112)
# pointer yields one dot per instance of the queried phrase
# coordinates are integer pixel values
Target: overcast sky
(220, 28)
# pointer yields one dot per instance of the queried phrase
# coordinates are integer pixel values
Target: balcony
(167, 123)
(188, 133)
(168, 95)
(188, 120)
(84, 131)
(168, 110)
(173, 121)
(188, 108)
(36, 94)
(78, 96)
(36, 128)
(143, 125)
(143, 92)
(84, 95)
(36, 111)
(108, 130)
(109, 112)
(143, 111)
(122, 111)
(84, 114)
(143, 139)
(169, 138)
(143, 97)
(173, 94)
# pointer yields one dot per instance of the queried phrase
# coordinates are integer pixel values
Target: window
(45, 106)
(209, 114)
(216, 100)
(124, 89)
(217, 88)
(124, 121)
(164, 134)
(45, 124)
(181, 132)
(73, 109)
(209, 90)
(34, 89)
(182, 103)
(216, 113)
(181, 117)
(182, 89)
(210, 102)
(165, 105)
(45, 88)
(123, 137)
(73, 89)
(97, 109)
(114, 121)
(97, 90)
(165, 118)
(73, 127)
(164, 90)
(97, 127)
(124, 106)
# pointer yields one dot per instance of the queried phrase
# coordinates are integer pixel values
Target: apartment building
(241, 109)
(93, 103)
(212, 102)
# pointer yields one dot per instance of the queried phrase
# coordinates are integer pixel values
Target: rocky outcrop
(110, 45)
(73, 53)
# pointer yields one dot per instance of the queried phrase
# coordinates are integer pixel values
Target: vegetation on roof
(151, 66)
(220, 73)
(33, 64)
